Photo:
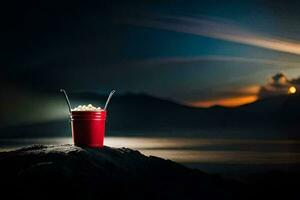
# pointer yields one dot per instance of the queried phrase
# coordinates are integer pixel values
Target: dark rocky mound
(66, 171)
(69, 172)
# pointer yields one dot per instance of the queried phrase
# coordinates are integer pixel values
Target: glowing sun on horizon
(292, 90)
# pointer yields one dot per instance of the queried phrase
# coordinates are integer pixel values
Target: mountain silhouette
(141, 113)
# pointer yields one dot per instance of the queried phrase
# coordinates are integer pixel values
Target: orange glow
(292, 90)
(228, 102)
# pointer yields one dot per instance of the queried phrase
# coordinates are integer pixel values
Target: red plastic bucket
(88, 128)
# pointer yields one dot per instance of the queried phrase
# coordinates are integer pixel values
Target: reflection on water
(193, 150)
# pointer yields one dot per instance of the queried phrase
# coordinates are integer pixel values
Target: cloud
(232, 92)
(177, 60)
(278, 84)
(215, 28)
(279, 80)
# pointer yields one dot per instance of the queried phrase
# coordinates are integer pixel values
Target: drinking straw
(108, 99)
(67, 99)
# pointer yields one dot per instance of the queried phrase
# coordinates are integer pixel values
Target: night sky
(200, 53)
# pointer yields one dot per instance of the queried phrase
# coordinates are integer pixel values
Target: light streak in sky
(218, 29)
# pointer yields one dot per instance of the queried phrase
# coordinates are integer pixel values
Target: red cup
(88, 128)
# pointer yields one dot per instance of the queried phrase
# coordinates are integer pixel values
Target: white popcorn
(89, 107)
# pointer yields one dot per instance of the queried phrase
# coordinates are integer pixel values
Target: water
(211, 155)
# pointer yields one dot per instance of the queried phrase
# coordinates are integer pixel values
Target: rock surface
(66, 171)
(70, 172)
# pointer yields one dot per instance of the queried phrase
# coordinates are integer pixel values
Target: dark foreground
(66, 171)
